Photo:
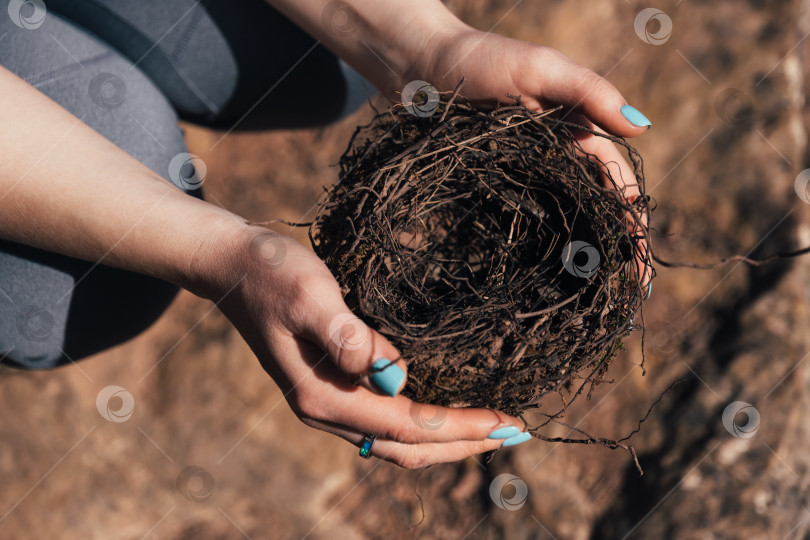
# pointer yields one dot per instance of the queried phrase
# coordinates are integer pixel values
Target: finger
(619, 175)
(579, 89)
(622, 178)
(321, 393)
(616, 171)
(359, 352)
(414, 456)
(406, 421)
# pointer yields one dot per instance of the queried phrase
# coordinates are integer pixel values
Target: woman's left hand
(544, 78)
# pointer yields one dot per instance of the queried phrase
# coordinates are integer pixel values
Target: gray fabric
(175, 43)
(225, 63)
(128, 69)
(358, 90)
(97, 85)
(52, 305)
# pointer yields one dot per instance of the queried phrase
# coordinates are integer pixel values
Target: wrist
(416, 51)
(230, 251)
(430, 53)
(215, 262)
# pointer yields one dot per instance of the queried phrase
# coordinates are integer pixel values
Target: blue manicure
(517, 439)
(634, 116)
(387, 377)
(649, 291)
(504, 433)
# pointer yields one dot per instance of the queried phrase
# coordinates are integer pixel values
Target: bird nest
(497, 255)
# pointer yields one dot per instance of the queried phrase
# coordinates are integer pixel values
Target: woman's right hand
(289, 308)
(277, 293)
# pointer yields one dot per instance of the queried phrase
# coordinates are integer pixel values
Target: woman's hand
(289, 308)
(495, 66)
(392, 45)
(277, 293)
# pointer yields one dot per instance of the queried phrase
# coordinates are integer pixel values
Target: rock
(721, 165)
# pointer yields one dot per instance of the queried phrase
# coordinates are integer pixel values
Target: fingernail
(649, 291)
(504, 433)
(634, 116)
(387, 378)
(517, 439)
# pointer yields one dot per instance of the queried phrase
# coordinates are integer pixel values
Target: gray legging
(129, 69)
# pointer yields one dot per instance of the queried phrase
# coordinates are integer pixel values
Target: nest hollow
(499, 257)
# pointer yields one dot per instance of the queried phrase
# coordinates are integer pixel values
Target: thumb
(361, 353)
(578, 88)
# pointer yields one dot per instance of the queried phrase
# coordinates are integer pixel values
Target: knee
(32, 337)
(109, 93)
(358, 90)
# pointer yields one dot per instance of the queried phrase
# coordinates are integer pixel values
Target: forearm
(387, 42)
(65, 188)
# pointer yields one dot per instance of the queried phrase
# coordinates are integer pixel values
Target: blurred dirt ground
(726, 94)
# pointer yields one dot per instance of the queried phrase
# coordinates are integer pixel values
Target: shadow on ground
(726, 94)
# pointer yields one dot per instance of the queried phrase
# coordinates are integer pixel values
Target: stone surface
(726, 95)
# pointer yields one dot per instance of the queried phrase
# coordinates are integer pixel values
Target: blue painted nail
(517, 439)
(634, 116)
(504, 433)
(649, 291)
(387, 377)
